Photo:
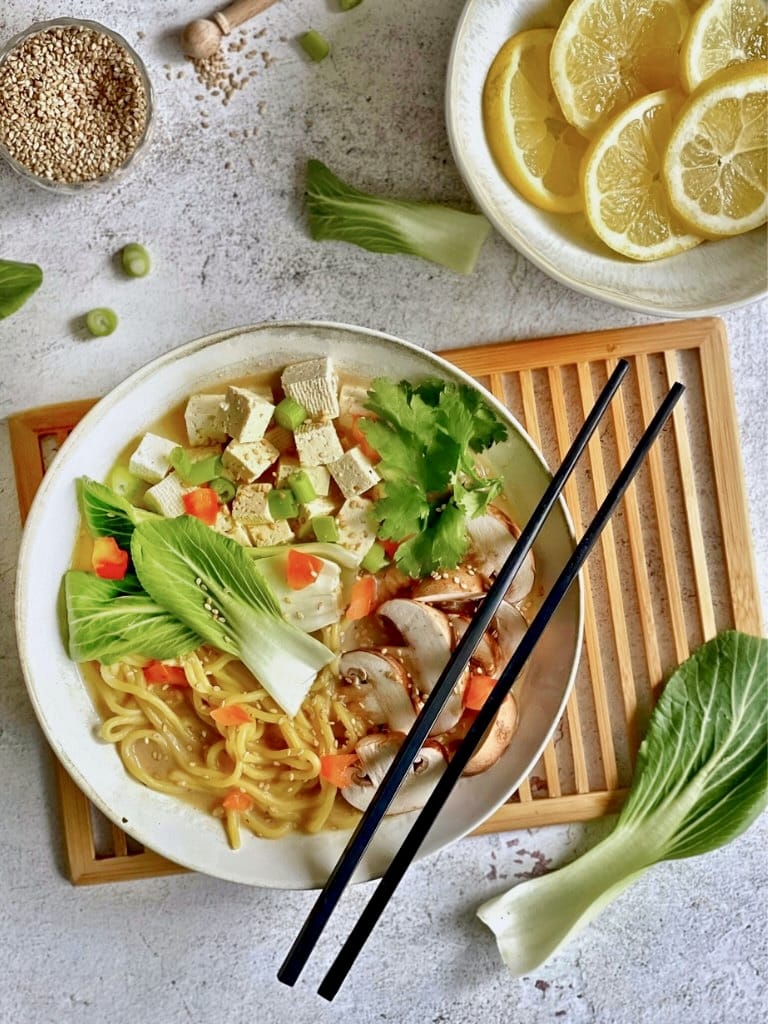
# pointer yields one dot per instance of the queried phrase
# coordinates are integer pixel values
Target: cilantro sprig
(427, 436)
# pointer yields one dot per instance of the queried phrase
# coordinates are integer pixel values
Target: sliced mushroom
(510, 629)
(454, 585)
(493, 536)
(383, 683)
(496, 740)
(377, 752)
(487, 653)
(370, 631)
(427, 632)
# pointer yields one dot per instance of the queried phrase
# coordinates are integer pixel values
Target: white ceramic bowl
(57, 690)
(709, 279)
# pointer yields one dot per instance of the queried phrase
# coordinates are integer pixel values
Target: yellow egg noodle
(168, 740)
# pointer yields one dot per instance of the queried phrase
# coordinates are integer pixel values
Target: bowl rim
(38, 510)
(78, 187)
(517, 241)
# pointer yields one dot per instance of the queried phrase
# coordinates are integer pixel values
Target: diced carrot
(476, 691)
(361, 598)
(361, 440)
(302, 570)
(168, 675)
(231, 714)
(236, 800)
(202, 503)
(338, 769)
(108, 560)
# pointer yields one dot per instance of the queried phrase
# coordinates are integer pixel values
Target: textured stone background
(218, 206)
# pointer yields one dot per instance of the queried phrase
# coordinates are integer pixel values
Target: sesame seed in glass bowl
(76, 105)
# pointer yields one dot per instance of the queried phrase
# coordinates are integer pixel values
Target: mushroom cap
(427, 632)
(493, 536)
(459, 584)
(383, 684)
(487, 653)
(510, 629)
(496, 739)
(377, 752)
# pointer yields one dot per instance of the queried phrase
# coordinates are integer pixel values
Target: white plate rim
(36, 519)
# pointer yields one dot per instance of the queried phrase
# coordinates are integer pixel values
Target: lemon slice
(716, 164)
(608, 52)
(721, 33)
(624, 196)
(537, 150)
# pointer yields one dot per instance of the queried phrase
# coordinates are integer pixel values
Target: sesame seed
(75, 106)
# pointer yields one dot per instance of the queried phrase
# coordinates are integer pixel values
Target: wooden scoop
(202, 38)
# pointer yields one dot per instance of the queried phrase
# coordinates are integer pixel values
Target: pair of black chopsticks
(369, 822)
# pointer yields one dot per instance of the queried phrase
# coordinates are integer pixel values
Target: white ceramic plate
(709, 279)
(65, 711)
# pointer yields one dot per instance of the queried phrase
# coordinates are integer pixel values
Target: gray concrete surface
(219, 208)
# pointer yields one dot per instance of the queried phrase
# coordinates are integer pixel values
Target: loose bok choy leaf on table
(441, 234)
(701, 779)
(17, 282)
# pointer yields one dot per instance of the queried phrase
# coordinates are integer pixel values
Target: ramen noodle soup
(267, 587)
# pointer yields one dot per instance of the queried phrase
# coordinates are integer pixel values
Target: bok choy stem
(701, 779)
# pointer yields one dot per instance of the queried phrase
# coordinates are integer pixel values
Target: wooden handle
(238, 12)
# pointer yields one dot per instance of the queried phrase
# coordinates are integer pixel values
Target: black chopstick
(413, 840)
(358, 843)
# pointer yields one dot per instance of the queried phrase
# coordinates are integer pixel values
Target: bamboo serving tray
(674, 567)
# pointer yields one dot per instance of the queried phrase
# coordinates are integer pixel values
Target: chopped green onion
(347, 5)
(326, 529)
(125, 483)
(289, 413)
(314, 45)
(282, 504)
(135, 260)
(375, 558)
(302, 487)
(224, 488)
(101, 322)
(195, 473)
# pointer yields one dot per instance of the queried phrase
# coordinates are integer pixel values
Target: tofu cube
(357, 530)
(319, 476)
(267, 534)
(316, 507)
(246, 414)
(354, 473)
(317, 443)
(352, 399)
(247, 461)
(251, 505)
(204, 417)
(227, 526)
(314, 385)
(166, 497)
(151, 460)
(281, 438)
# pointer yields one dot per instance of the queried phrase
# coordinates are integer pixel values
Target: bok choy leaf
(339, 212)
(107, 514)
(109, 619)
(208, 582)
(701, 779)
(17, 282)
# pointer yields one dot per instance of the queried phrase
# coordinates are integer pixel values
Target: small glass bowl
(77, 187)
